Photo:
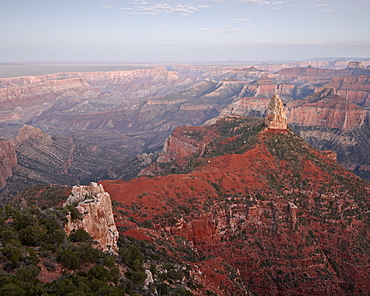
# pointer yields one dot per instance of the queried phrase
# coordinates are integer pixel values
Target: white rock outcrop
(95, 207)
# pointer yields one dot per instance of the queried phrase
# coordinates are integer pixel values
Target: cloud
(329, 10)
(321, 5)
(276, 3)
(160, 8)
(256, 1)
(111, 6)
(223, 30)
(241, 20)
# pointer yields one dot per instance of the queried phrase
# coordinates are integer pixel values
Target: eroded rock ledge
(95, 207)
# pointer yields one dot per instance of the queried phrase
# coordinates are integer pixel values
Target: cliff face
(326, 108)
(247, 106)
(8, 151)
(288, 218)
(355, 89)
(65, 159)
(8, 160)
(266, 87)
(95, 207)
(20, 103)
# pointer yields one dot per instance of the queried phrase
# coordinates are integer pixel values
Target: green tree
(100, 273)
(13, 251)
(27, 273)
(80, 235)
(133, 257)
(70, 259)
(22, 220)
(12, 289)
(32, 235)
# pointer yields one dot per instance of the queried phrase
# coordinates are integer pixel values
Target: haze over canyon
(77, 127)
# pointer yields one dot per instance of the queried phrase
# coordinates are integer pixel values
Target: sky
(142, 31)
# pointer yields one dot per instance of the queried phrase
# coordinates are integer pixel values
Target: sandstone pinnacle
(275, 114)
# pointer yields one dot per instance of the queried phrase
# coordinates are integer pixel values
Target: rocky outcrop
(95, 207)
(275, 115)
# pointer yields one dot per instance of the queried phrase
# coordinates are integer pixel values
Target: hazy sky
(183, 31)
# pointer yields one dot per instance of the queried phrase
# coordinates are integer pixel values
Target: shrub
(80, 235)
(136, 277)
(27, 273)
(11, 289)
(133, 257)
(31, 235)
(70, 260)
(100, 273)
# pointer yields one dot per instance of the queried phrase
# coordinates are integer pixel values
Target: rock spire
(275, 114)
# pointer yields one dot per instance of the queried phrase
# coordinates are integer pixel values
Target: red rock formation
(326, 108)
(95, 207)
(180, 144)
(289, 219)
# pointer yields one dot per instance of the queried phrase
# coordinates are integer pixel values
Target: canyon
(242, 203)
(96, 124)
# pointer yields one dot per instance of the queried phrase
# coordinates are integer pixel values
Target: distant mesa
(355, 65)
(276, 115)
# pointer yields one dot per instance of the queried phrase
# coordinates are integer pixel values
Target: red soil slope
(288, 219)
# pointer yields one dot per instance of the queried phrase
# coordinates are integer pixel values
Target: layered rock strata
(95, 207)
(326, 108)
(8, 160)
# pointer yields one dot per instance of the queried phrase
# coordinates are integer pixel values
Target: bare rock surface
(95, 207)
(275, 114)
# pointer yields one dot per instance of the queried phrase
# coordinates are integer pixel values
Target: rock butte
(275, 114)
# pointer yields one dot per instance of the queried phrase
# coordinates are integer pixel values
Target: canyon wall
(327, 108)
(8, 160)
